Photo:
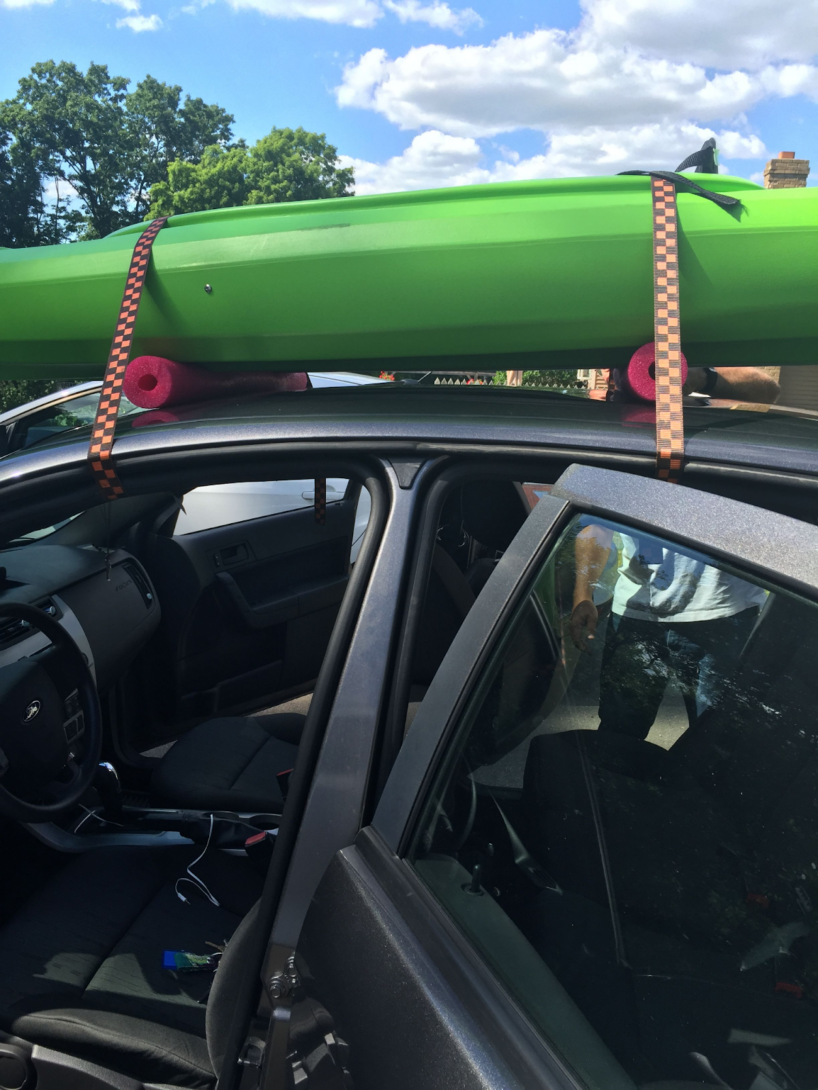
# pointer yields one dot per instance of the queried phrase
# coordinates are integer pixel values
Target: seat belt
(102, 435)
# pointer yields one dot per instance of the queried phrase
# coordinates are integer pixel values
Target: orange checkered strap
(102, 435)
(670, 436)
(670, 446)
(321, 500)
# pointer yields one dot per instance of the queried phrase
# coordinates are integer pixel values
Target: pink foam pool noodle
(639, 374)
(152, 382)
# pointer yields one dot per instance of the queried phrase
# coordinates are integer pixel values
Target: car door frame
(489, 1034)
(760, 541)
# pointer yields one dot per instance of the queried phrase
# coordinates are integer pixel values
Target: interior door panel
(248, 608)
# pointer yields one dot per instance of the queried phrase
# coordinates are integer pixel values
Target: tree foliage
(86, 130)
(26, 217)
(285, 165)
(82, 155)
(21, 204)
(14, 392)
(551, 380)
(163, 129)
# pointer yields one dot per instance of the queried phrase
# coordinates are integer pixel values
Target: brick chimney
(786, 172)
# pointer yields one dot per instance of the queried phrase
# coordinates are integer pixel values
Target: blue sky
(425, 92)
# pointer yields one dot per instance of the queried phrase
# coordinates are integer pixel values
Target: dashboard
(107, 603)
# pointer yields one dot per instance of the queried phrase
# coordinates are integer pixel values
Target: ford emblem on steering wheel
(32, 711)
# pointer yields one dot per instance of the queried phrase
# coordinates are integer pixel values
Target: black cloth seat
(683, 859)
(82, 965)
(230, 764)
(678, 855)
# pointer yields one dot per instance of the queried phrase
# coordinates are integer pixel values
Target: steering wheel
(50, 724)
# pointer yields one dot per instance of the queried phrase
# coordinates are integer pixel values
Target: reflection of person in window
(672, 614)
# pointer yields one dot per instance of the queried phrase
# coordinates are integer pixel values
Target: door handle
(310, 496)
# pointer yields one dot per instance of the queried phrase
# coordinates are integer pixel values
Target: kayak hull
(532, 275)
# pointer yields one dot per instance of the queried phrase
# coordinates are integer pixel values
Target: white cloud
(140, 23)
(135, 20)
(357, 13)
(432, 159)
(606, 151)
(791, 79)
(436, 14)
(436, 159)
(724, 34)
(23, 3)
(544, 80)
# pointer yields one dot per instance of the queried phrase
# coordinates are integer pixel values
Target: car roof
(434, 417)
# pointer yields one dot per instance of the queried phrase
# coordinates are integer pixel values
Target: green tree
(285, 165)
(219, 180)
(26, 218)
(551, 380)
(296, 165)
(21, 203)
(163, 129)
(75, 121)
(85, 129)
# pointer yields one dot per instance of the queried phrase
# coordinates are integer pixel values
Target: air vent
(140, 582)
(12, 631)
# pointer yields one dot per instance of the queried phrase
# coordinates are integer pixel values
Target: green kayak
(524, 274)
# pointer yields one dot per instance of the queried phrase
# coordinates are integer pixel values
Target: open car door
(602, 876)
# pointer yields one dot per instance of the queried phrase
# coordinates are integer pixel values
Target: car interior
(139, 823)
(659, 893)
(145, 810)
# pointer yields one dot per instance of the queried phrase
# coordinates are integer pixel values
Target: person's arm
(735, 384)
(591, 551)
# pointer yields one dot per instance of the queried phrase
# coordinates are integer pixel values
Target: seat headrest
(493, 512)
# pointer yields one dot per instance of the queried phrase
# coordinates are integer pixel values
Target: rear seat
(710, 847)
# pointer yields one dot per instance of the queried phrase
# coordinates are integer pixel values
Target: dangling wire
(194, 879)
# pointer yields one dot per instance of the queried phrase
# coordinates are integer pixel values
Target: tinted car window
(216, 505)
(223, 504)
(626, 825)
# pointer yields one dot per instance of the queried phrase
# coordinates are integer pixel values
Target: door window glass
(626, 821)
(223, 504)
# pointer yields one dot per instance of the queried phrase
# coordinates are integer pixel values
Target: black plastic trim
(503, 1026)
(452, 474)
(417, 759)
(338, 795)
(308, 754)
